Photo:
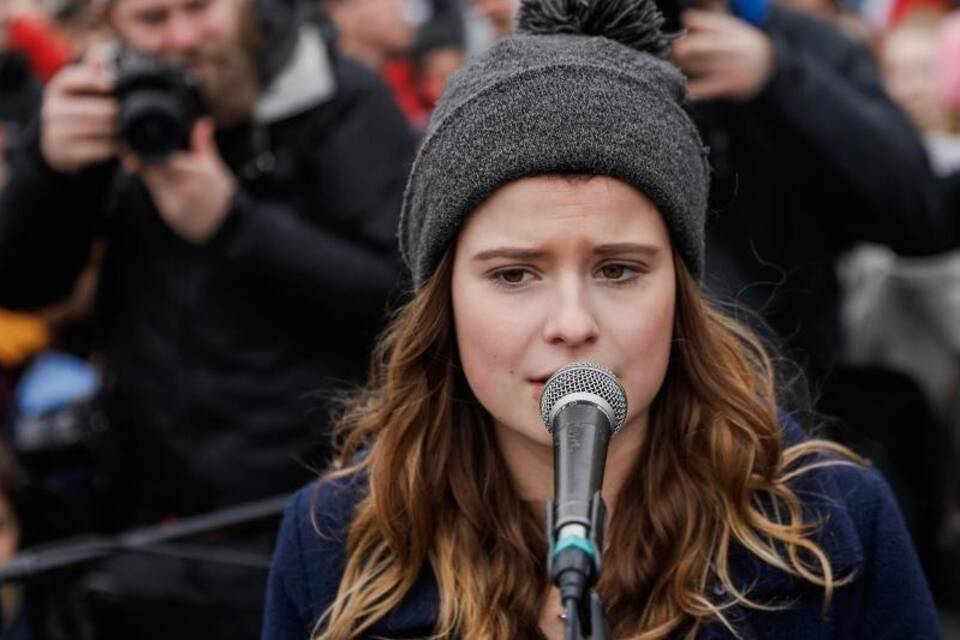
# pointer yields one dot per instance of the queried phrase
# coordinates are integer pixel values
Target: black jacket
(821, 158)
(219, 358)
(19, 90)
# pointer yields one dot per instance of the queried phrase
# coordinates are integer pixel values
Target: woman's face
(549, 270)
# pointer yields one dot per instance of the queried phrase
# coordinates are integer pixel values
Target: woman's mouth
(537, 385)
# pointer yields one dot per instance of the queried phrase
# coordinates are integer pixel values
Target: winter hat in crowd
(583, 87)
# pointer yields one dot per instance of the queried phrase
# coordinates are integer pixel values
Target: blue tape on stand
(577, 542)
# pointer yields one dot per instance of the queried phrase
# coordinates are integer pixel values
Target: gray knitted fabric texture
(560, 103)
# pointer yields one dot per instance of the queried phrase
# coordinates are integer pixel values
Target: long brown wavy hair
(713, 470)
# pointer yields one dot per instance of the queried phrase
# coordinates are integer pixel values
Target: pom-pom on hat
(583, 87)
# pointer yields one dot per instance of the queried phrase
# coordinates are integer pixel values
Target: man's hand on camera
(723, 56)
(193, 189)
(79, 118)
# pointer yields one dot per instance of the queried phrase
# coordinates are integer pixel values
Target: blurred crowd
(176, 324)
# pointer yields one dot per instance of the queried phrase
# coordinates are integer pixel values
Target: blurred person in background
(948, 70)
(500, 14)
(372, 31)
(21, 335)
(243, 280)
(79, 23)
(414, 44)
(842, 14)
(914, 65)
(43, 351)
(811, 156)
(439, 47)
(488, 21)
(30, 30)
(19, 95)
(19, 82)
(437, 52)
(901, 313)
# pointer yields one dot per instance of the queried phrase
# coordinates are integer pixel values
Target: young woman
(555, 213)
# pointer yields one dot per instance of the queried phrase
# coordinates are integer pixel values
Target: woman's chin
(532, 434)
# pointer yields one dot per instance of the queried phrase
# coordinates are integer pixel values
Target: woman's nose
(571, 321)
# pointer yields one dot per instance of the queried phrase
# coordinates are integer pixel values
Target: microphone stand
(160, 539)
(575, 566)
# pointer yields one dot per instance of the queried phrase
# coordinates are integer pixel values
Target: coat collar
(307, 80)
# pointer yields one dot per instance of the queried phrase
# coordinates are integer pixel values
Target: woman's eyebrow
(511, 254)
(621, 248)
(604, 250)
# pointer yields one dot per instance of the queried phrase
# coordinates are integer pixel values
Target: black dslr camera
(159, 104)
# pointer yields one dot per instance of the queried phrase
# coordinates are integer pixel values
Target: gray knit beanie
(583, 87)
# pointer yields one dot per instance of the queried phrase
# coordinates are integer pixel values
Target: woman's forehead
(549, 208)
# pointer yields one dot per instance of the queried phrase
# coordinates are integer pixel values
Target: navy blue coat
(863, 532)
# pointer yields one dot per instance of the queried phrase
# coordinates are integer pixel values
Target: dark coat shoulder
(861, 532)
(309, 558)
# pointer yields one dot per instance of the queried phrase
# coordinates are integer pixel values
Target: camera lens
(153, 123)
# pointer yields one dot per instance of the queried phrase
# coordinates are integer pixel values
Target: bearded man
(245, 276)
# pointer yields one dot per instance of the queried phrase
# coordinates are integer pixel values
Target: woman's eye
(615, 271)
(512, 277)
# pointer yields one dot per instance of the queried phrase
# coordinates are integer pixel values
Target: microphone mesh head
(584, 377)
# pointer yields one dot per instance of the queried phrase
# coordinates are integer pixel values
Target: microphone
(582, 405)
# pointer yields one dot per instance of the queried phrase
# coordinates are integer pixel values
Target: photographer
(244, 275)
(811, 156)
